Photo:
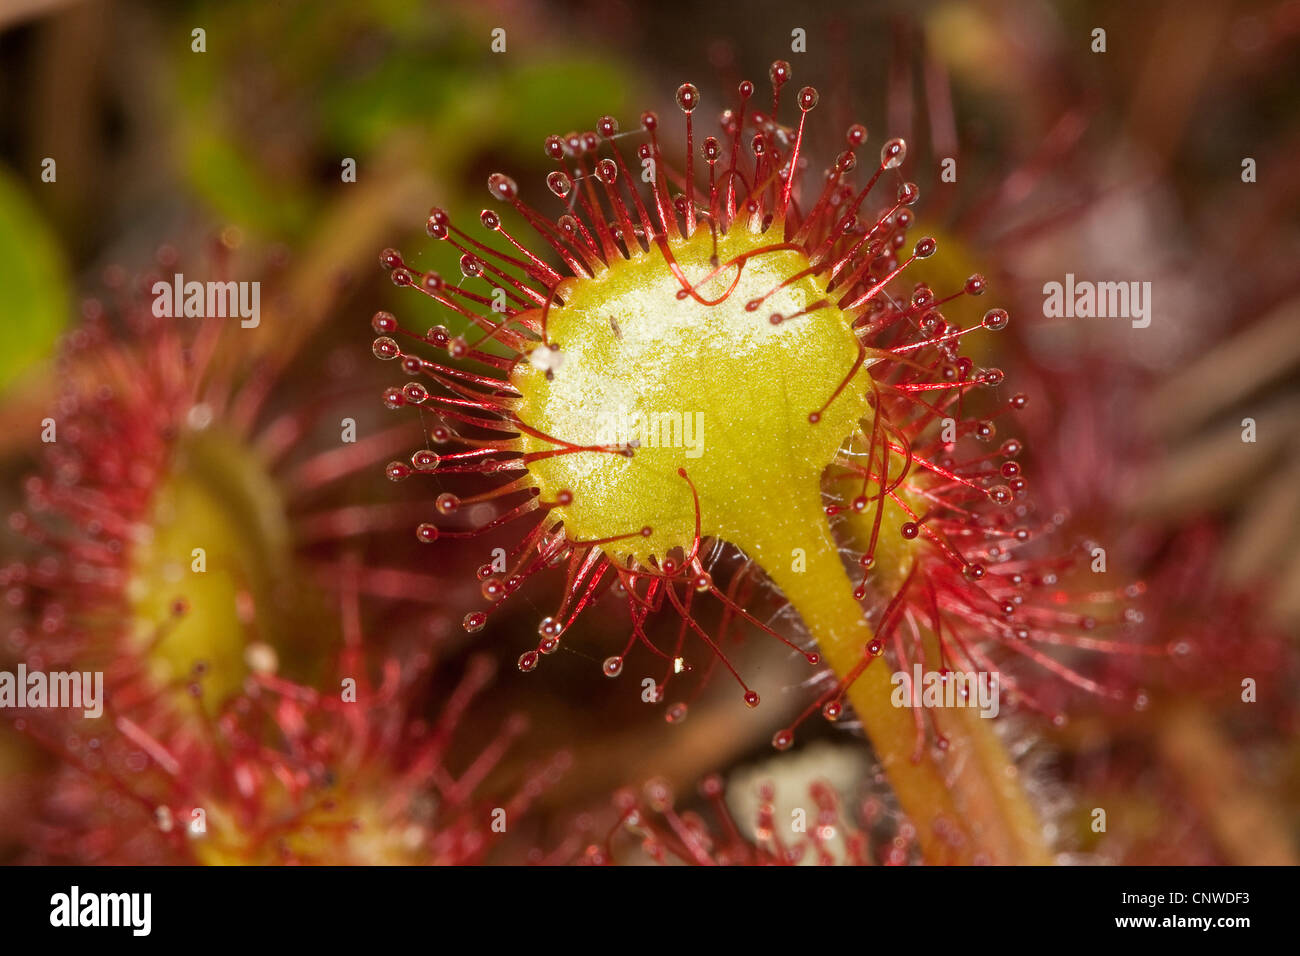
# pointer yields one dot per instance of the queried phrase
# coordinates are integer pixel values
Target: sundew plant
(791, 396)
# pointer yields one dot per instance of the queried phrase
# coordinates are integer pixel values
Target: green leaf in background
(35, 297)
(562, 93)
(237, 188)
(265, 123)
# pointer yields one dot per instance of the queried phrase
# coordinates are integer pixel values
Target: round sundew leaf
(217, 498)
(723, 385)
(34, 299)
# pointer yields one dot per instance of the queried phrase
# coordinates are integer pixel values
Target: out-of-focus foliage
(34, 299)
(353, 79)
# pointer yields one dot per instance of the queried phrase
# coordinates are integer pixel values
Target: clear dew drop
(559, 183)
(688, 97)
(893, 153)
(995, 320)
(502, 186)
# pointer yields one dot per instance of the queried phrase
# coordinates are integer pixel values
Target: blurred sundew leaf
(35, 296)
